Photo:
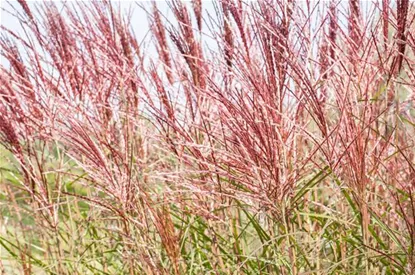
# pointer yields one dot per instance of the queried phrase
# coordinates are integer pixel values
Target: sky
(139, 20)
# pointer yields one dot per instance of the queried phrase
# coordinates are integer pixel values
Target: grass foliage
(261, 137)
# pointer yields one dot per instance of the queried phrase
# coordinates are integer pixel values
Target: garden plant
(235, 137)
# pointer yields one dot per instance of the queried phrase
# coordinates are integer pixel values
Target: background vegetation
(266, 137)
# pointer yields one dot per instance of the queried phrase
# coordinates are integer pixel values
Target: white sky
(139, 20)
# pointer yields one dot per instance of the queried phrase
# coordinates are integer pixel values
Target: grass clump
(269, 137)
